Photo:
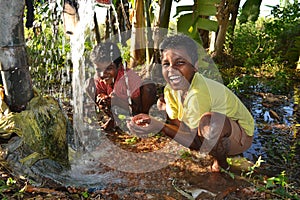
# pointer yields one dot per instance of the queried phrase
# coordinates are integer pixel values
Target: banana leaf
(250, 11)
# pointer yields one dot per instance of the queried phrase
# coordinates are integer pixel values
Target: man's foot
(216, 166)
(109, 125)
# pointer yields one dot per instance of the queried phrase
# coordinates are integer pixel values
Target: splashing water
(85, 11)
(92, 146)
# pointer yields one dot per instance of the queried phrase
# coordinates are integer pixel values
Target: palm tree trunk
(13, 57)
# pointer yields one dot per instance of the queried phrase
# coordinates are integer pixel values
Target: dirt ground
(185, 178)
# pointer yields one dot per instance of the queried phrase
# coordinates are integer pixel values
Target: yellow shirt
(206, 95)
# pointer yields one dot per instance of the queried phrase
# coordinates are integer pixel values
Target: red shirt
(120, 87)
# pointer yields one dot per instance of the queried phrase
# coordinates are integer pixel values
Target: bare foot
(109, 125)
(215, 166)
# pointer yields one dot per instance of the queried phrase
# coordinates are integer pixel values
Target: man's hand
(108, 80)
(143, 124)
(161, 104)
(103, 100)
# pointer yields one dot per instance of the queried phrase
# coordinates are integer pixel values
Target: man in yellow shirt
(204, 114)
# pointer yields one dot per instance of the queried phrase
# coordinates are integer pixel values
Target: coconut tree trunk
(13, 57)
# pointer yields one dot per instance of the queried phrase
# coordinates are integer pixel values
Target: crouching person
(203, 114)
(110, 86)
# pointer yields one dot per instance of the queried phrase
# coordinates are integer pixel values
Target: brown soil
(186, 175)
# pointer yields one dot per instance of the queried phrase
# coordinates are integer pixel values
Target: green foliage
(251, 45)
(235, 84)
(281, 84)
(185, 154)
(132, 140)
(47, 48)
(250, 11)
(8, 187)
(279, 185)
(10, 181)
(279, 180)
(285, 30)
(284, 161)
(269, 45)
(3, 186)
(85, 194)
(191, 18)
(228, 173)
(125, 52)
(254, 167)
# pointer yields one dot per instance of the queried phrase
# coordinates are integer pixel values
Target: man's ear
(196, 66)
(120, 65)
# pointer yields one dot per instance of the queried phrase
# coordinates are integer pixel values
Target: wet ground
(119, 173)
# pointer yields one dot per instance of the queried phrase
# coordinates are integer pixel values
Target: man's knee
(148, 92)
(214, 123)
(149, 87)
(210, 118)
(205, 119)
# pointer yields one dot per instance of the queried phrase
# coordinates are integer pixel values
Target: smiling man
(109, 85)
(204, 114)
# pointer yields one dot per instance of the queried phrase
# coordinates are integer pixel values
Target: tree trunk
(160, 30)
(234, 10)
(138, 37)
(161, 27)
(204, 34)
(223, 19)
(13, 57)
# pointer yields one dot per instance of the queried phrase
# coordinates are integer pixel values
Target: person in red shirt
(108, 86)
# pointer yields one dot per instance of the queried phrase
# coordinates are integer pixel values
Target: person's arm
(144, 124)
(103, 100)
(182, 134)
(120, 102)
(90, 89)
(136, 105)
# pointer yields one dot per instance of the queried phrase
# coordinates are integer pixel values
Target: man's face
(106, 70)
(177, 68)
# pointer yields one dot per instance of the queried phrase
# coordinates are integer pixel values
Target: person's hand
(108, 80)
(103, 100)
(161, 104)
(90, 88)
(143, 124)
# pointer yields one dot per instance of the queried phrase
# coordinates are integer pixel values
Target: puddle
(275, 130)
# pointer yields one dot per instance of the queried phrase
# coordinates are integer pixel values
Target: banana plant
(138, 37)
(250, 11)
(197, 16)
(143, 22)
